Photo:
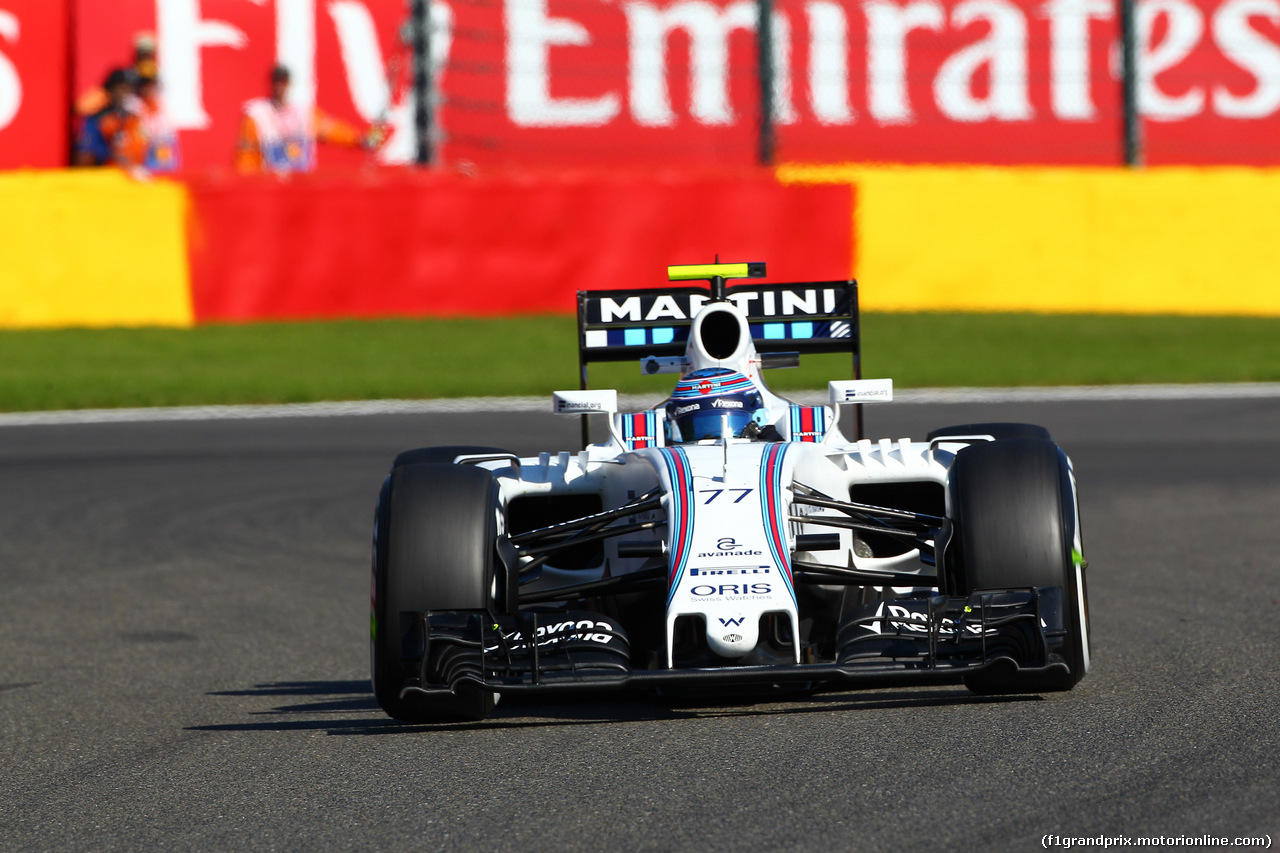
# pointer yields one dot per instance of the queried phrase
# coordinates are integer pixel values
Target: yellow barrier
(1057, 240)
(92, 248)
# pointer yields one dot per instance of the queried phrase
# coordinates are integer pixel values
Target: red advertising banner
(33, 83)
(1209, 86)
(402, 243)
(915, 81)
(988, 81)
(675, 83)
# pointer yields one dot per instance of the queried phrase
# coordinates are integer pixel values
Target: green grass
(348, 360)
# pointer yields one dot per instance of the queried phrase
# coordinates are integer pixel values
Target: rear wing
(801, 317)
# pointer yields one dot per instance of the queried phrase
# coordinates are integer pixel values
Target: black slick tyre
(440, 455)
(1015, 513)
(433, 550)
(998, 431)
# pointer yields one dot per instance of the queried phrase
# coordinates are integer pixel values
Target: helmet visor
(708, 422)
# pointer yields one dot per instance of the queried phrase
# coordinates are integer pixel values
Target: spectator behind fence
(95, 100)
(162, 155)
(278, 137)
(113, 136)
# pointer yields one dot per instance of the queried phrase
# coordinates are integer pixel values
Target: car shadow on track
(349, 708)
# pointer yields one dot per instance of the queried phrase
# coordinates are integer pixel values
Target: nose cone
(733, 636)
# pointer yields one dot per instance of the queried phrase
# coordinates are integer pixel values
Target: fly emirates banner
(674, 82)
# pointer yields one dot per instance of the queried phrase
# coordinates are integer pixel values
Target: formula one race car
(727, 538)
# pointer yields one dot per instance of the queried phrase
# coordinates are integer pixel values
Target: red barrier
(423, 244)
(33, 83)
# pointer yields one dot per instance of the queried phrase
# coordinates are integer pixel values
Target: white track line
(1075, 393)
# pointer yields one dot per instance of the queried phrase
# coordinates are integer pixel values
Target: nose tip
(739, 641)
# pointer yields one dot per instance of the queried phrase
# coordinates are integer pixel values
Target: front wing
(909, 641)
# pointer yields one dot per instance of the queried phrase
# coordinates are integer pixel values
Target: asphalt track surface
(183, 665)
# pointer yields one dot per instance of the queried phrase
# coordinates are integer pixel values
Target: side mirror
(858, 391)
(861, 391)
(585, 402)
(588, 403)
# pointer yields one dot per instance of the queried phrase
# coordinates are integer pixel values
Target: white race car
(727, 538)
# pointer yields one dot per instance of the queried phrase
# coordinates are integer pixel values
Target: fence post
(764, 50)
(420, 24)
(1132, 118)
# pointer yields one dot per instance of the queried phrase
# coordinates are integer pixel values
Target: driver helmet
(711, 403)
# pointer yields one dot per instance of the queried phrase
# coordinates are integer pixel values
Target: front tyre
(998, 431)
(434, 539)
(444, 454)
(1015, 510)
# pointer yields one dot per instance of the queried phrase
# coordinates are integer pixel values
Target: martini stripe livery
(679, 514)
(774, 511)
